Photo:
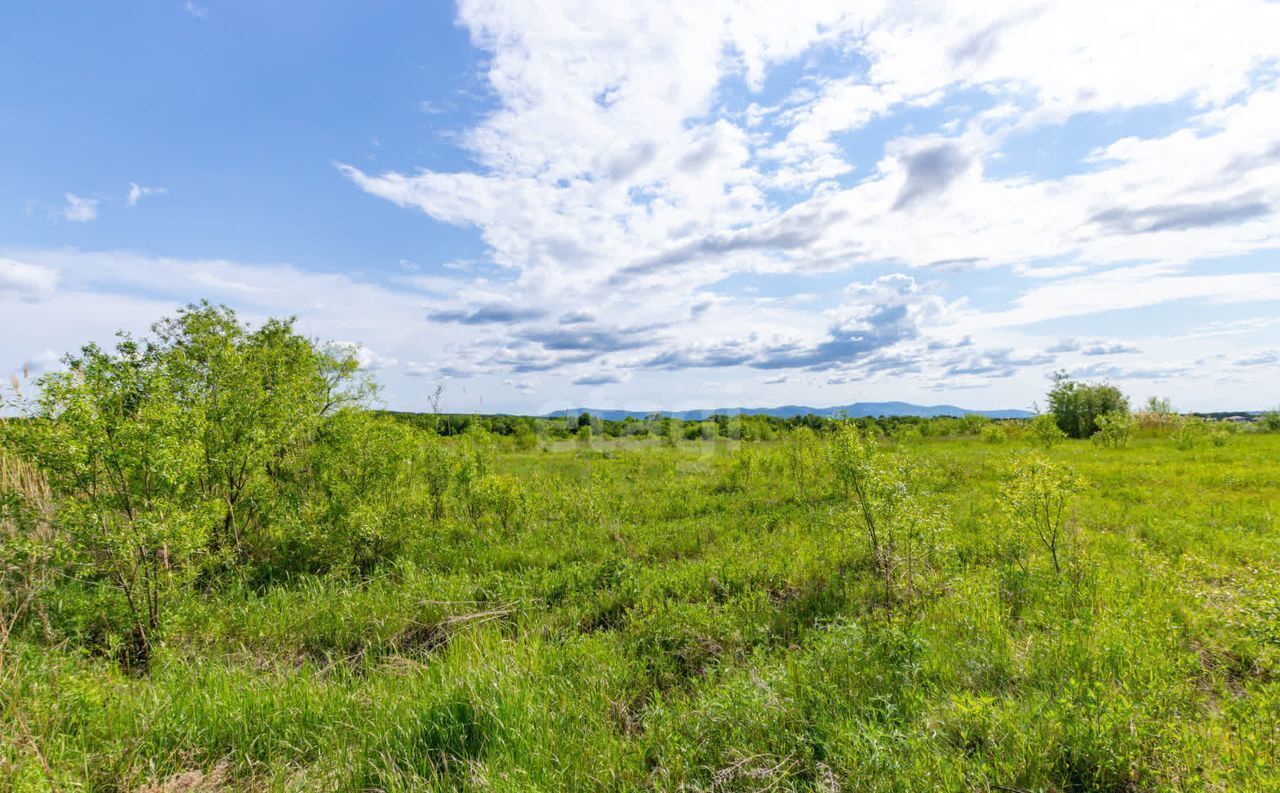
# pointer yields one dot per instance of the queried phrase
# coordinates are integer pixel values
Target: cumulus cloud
(874, 316)
(615, 159)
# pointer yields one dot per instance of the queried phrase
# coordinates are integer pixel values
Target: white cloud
(610, 143)
(1128, 288)
(197, 11)
(27, 282)
(138, 192)
(651, 172)
(366, 359)
(80, 210)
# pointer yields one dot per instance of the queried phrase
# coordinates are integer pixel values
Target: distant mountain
(856, 410)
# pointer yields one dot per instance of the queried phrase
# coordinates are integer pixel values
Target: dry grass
(196, 781)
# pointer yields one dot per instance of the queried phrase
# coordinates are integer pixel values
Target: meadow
(831, 609)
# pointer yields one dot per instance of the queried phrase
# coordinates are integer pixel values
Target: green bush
(1270, 421)
(1045, 432)
(1114, 429)
(1077, 407)
(166, 455)
(1188, 431)
(366, 496)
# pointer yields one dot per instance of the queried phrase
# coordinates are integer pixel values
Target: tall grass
(698, 615)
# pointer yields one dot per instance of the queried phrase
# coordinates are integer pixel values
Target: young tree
(900, 532)
(1034, 498)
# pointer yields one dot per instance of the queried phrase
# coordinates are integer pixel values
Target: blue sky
(661, 206)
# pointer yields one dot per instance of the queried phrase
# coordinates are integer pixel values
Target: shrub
(907, 433)
(993, 433)
(1044, 430)
(526, 438)
(1270, 421)
(1113, 429)
(366, 496)
(1187, 432)
(473, 461)
(119, 445)
(1078, 406)
(1034, 498)
(503, 497)
(802, 461)
(258, 396)
(973, 423)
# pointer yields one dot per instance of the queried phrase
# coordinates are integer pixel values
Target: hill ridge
(853, 410)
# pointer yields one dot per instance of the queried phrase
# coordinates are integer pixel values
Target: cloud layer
(675, 198)
(640, 157)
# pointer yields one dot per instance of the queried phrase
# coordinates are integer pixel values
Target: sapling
(900, 532)
(1034, 498)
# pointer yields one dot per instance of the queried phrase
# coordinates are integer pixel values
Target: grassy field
(710, 617)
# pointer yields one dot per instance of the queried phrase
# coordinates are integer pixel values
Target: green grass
(692, 619)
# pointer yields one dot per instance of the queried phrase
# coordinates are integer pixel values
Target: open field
(709, 616)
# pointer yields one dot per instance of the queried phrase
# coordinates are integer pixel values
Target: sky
(675, 205)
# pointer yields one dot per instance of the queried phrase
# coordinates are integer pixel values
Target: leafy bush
(1077, 407)
(1114, 429)
(974, 423)
(366, 496)
(993, 433)
(1188, 431)
(1270, 421)
(1044, 430)
(165, 455)
(503, 497)
(117, 444)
